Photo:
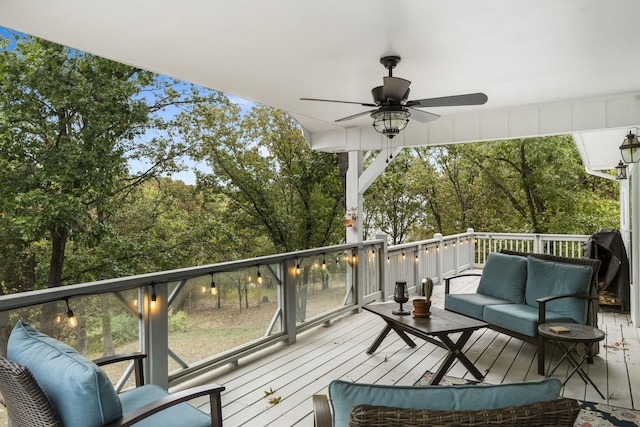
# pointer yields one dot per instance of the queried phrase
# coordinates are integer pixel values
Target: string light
(154, 297)
(259, 277)
(297, 266)
(324, 262)
(72, 320)
(214, 290)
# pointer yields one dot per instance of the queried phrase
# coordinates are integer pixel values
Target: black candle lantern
(401, 295)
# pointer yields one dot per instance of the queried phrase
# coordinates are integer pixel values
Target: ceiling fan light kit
(389, 122)
(393, 109)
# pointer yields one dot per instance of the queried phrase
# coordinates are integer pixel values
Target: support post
(156, 335)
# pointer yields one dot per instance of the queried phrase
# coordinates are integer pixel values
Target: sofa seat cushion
(80, 391)
(182, 414)
(345, 395)
(471, 304)
(504, 276)
(546, 278)
(521, 318)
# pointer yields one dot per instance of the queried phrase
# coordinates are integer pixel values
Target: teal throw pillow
(80, 391)
(547, 278)
(504, 276)
(345, 395)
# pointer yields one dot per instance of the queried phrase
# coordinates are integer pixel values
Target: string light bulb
(324, 262)
(154, 297)
(72, 320)
(259, 277)
(297, 266)
(214, 290)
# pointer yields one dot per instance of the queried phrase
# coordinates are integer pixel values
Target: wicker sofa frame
(560, 412)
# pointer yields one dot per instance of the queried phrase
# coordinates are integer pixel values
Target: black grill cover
(607, 246)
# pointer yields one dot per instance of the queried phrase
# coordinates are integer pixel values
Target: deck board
(323, 354)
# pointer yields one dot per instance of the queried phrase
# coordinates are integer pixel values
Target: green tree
(390, 203)
(276, 185)
(69, 122)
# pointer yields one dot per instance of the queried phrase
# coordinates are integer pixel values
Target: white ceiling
(523, 54)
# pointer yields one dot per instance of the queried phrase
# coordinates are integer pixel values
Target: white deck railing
(297, 290)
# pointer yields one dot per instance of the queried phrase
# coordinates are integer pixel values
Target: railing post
(290, 304)
(439, 260)
(472, 247)
(156, 335)
(537, 244)
(382, 265)
(358, 274)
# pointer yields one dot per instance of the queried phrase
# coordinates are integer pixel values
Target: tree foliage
(277, 186)
(535, 185)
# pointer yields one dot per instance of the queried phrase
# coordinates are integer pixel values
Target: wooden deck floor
(295, 373)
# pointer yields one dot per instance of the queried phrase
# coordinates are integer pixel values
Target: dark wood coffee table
(436, 329)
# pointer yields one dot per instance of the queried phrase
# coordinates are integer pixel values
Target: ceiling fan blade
(364, 104)
(422, 116)
(450, 101)
(395, 87)
(355, 116)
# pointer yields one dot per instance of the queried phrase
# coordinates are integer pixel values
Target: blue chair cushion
(504, 276)
(521, 318)
(345, 395)
(547, 278)
(182, 414)
(80, 391)
(471, 304)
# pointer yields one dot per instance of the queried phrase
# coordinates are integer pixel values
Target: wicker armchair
(28, 405)
(560, 412)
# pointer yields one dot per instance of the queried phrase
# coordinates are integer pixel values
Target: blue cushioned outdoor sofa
(519, 291)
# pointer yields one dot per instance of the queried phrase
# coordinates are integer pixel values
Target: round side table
(576, 334)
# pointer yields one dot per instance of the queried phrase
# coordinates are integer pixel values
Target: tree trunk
(109, 348)
(81, 314)
(49, 311)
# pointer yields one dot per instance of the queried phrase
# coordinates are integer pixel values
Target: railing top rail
(429, 241)
(42, 296)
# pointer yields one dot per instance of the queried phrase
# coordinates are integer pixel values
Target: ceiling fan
(392, 107)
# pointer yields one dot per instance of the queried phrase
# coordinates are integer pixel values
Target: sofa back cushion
(547, 278)
(345, 395)
(80, 391)
(504, 276)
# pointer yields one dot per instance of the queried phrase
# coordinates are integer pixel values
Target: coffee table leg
(384, 334)
(455, 352)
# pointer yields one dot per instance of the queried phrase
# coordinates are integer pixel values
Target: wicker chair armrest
(137, 358)
(447, 285)
(321, 411)
(213, 390)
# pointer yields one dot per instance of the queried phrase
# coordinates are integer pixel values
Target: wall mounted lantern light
(630, 148)
(621, 171)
